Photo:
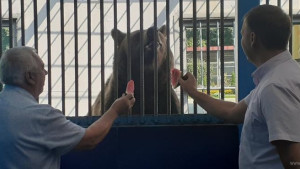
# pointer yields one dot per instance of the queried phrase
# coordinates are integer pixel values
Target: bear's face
(148, 46)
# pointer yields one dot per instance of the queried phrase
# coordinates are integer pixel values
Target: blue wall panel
(161, 147)
(245, 82)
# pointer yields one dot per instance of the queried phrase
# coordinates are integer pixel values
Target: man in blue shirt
(271, 112)
(35, 135)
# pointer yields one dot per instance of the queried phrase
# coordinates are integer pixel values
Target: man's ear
(253, 39)
(30, 78)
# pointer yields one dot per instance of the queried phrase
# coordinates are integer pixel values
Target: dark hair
(271, 25)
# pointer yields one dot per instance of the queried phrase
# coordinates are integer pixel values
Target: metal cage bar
(48, 47)
(181, 53)
(36, 40)
(1, 30)
(23, 23)
(76, 56)
(62, 45)
(222, 59)
(10, 24)
(142, 81)
(128, 41)
(195, 48)
(115, 51)
(89, 57)
(155, 60)
(129, 45)
(102, 54)
(208, 44)
(168, 57)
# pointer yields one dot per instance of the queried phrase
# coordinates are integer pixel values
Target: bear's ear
(118, 34)
(163, 30)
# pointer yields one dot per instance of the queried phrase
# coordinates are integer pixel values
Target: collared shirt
(273, 112)
(33, 135)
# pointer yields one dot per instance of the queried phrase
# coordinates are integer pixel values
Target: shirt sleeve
(60, 135)
(248, 98)
(281, 109)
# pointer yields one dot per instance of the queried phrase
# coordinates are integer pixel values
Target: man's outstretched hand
(123, 104)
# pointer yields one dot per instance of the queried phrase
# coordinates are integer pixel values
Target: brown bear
(120, 64)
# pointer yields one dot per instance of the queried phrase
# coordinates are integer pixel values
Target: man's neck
(266, 55)
(30, 90)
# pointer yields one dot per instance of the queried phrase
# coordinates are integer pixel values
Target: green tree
(233, 79)
(228, 37)
(5, 38)
(5, 43)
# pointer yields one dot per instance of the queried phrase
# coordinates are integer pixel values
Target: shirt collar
(19, 90)
(266, 67)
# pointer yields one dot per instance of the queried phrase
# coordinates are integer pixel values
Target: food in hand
(175, 75)
(130, 87)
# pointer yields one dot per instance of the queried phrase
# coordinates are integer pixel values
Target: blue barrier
(161, 147)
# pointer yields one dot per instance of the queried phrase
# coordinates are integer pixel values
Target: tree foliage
(5, 38)
(5, 44)
(228, 37)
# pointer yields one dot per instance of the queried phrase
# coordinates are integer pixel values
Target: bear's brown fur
(120, 64)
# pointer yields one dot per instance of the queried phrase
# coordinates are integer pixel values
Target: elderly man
(271, 112)
(35, 135)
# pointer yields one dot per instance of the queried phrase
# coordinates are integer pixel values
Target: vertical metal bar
(267, 2)
(128, 44)
(201, 55)
(76, 56)
(155, 61)
(195, 47)
(115, 51)
(181, 52)
(168, 57)
(142, 81)
(291, 16)
(48, 49)
(102, 54)
(10, 24)
(279, 3)
(1, 29)
(128, 41)
(222, 49)
(23, 24)
(36, 45)
(89, 57)
(62, 28)
(208, 45)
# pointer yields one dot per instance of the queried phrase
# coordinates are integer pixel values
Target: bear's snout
(150, 45)
(150, 39)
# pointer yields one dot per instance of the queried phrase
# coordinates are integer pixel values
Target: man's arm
(289, 153)
(229, 111)
(97, 131)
